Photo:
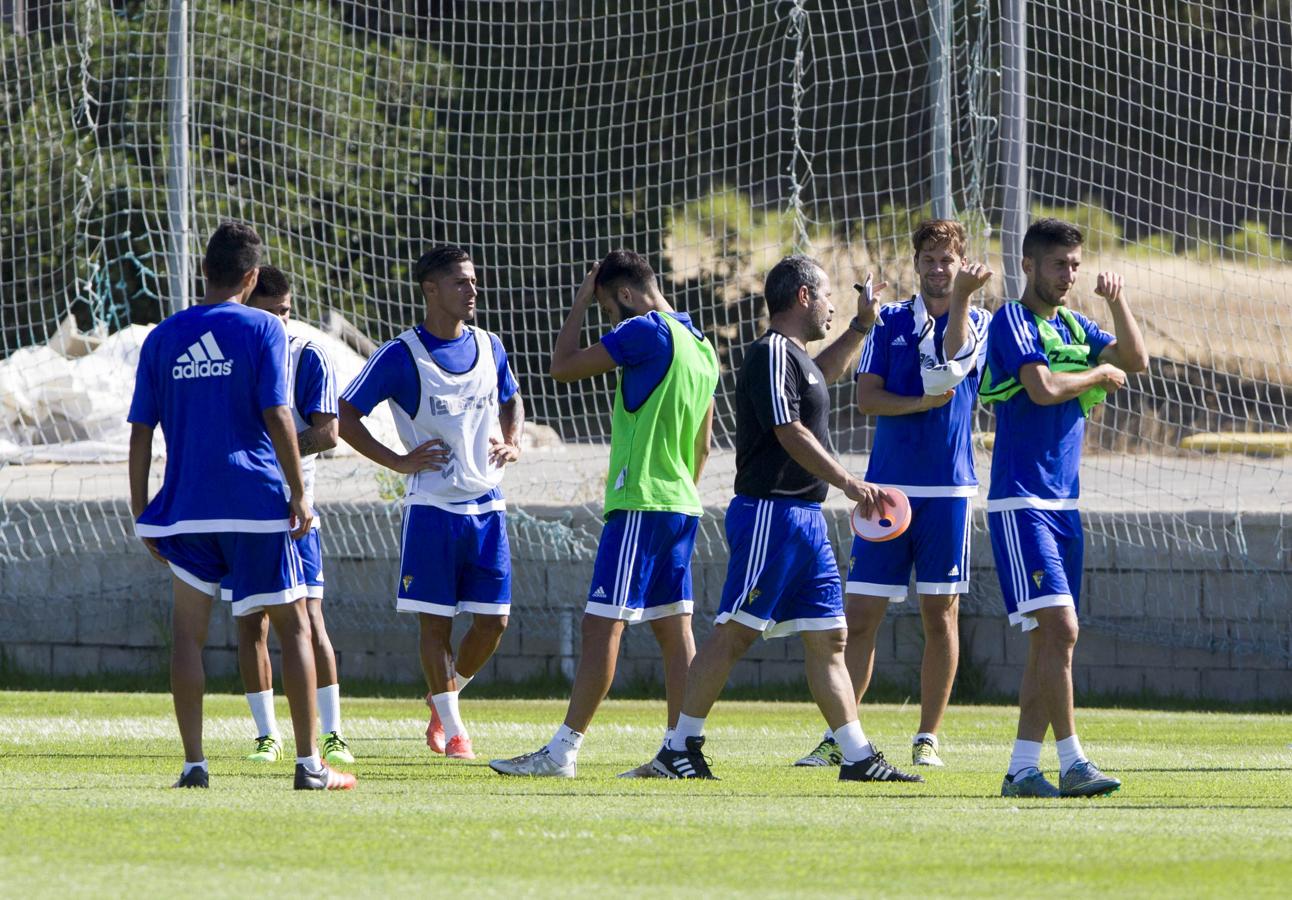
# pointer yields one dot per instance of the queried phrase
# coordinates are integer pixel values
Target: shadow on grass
(970, 689)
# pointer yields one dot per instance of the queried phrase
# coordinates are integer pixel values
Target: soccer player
(214, 376)
(312, 396)
(782, 577)
(659, 441)
(1047, 366)
(919, 375)
(459, 415)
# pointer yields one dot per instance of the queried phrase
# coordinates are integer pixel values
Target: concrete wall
(1170, 620)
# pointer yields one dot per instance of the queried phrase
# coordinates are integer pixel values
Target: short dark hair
(935, 232)
(1046, 233)
(621, 266)
(786, 277)
(272, 283)
(232, 252)
(436, 260)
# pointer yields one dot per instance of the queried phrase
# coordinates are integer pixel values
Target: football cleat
(827, 753)
(459, 747)
(268, 749)
(1028, 783)
(325, 779)
(925, 753)
(197, 777)
(875, 768)
(434, 729)
(335, 750)
(688, 763)
(645, 770)
(538, 764)
(1085, 780)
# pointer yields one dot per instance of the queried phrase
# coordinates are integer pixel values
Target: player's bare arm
(570, 362)
(1128, 352)
(1045, 387)
(139, 465)
(806, 450)
(970, 279)
(703, 443)
(320, 436)
(511, 416)
(432, 455)
(874, 400)
(836, 360)
(282, 431)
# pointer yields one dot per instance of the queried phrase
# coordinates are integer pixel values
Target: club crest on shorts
(1037, 576)
(408, 579)
(754, 594)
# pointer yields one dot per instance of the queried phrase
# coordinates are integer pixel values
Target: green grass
(1206, 810)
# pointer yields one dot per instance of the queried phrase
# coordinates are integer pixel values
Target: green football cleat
(1028, 783)
(335, 750)
(268, 749)
(827, 753)
(1085, 780)
(925, 753)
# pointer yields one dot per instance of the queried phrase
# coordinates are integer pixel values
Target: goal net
(712, 137)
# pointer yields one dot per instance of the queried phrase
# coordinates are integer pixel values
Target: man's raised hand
(970, 278)
(1109, 286)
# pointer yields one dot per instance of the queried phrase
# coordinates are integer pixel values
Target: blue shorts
(255, 570)
(936, 544)
(453, 563)
(643, 567)
(782, 577)
(1038, 558)
(310, 548)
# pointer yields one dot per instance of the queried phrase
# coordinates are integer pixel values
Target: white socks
(311, 763)
(564, 746)
(828, 736)
(1027, 755)
(668, 736)
(461, 680)
(446, 705)
(189, 767)
(852, 741)
(262, 710)
(925, 736)
(329, 703)
(687, 726)
(1070, 753)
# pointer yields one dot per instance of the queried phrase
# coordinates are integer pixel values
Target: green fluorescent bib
(1062, 357)
(652, 448)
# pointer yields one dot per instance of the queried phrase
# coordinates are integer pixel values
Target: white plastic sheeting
(56, 408)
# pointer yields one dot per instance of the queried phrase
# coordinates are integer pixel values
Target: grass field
(1206, 809)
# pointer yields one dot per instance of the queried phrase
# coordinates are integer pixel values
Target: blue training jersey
(1036, 461)
(206, 375)
(643, 347)
(926, 454)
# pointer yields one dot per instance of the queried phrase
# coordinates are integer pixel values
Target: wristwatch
(856, 326)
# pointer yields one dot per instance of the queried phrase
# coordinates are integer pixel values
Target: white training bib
(461, 409)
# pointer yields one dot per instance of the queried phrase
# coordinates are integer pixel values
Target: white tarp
(59, 409)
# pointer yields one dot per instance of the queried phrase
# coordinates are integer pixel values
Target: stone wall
(1214, 625)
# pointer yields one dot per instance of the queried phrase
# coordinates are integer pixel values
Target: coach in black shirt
(782, 577)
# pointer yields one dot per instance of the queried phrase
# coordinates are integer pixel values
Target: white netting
(713, 137)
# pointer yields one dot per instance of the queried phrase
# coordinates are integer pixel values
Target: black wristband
(856, 326)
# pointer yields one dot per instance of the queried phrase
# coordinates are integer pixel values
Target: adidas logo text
(899, 341)
(600, 593)
(202, 359)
